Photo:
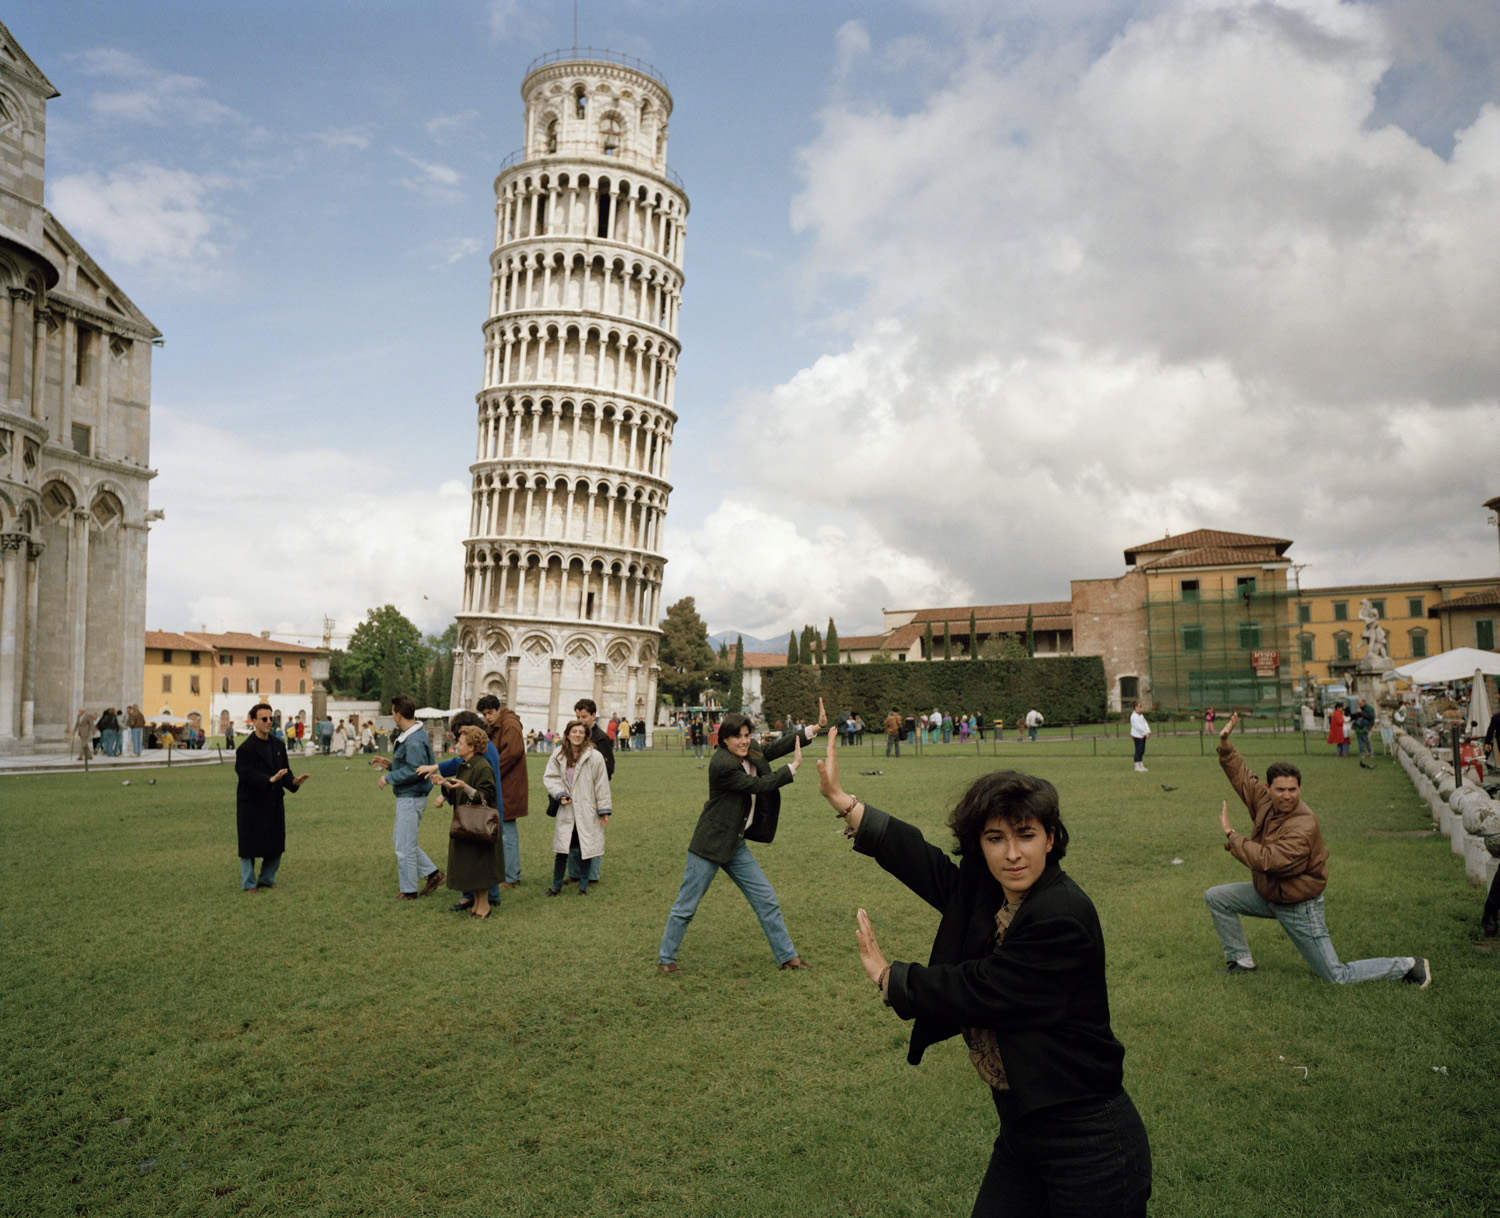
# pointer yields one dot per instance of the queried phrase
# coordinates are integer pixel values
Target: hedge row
(1066, 689)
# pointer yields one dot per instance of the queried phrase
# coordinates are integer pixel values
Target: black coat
(721, 825)
(601, 741)
(1042, 991)
(260, 804)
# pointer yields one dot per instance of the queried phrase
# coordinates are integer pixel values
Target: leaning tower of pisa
(563, 563)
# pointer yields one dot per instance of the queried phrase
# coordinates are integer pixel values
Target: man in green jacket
(744, 801)
(1289, 870)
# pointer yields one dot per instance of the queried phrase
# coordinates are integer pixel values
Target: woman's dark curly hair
(1013, 797)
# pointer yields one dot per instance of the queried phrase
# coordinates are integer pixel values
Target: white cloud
(1174, 284)
(461, 250)
(434, 180)
(262, 535)
(145, 94)
(142, 212)
(445, 127)
(513, 21)
(353, 140)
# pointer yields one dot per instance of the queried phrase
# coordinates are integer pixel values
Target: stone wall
(1462, 810)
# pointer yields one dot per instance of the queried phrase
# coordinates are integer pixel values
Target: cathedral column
(632, 690)
(20, 305)
(499, 606)
(512, 680)
(28, 673)
(600, 667)
(652, 674)
(78, 618)
(10, 633)
(39, 362)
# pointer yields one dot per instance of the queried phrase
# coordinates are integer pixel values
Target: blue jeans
(1303, 923)
(412, 863)
(892, 742)
(268, 868)
(511, 839)
(751, 880)
(1140, 748)
(135, 739)
(571, 863)
(1086, 1158)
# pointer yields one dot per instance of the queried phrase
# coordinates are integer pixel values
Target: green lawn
(172, 1047)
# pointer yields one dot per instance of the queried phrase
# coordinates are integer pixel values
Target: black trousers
(1086, 1160)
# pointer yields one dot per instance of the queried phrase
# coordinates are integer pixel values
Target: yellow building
(178, 675)
(1329, 630)
(1468, 619)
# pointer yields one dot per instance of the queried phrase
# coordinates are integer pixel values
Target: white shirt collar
(415, 727)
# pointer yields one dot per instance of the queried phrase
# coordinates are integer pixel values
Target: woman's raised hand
(796, 752)
(870, 954)
(828, 776)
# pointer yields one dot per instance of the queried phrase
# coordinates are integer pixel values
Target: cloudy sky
(977, 294)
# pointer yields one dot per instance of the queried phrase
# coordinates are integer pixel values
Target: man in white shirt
(1139, 730)
(1034, 720)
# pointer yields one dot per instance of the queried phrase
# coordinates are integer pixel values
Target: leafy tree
(947, 641)
(723, 651)
(882, 657)
(804, 646)
(927, 642)
(831, 644)
(1002, 647)
(359, 670)
(686, 655)
(736, 699)
(793, 656)
(973, 638)
(1030, 634)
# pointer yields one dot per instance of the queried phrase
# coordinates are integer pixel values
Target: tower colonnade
(576, 409)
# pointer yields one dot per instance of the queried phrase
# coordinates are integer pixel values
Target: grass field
(172, 1047)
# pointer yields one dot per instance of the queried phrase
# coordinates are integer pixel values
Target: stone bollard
(1481, 823)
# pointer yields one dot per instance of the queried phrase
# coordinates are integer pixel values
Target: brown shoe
(404, 896)
(796, 962)
(436, 878)
(669, 968)
(510, 884)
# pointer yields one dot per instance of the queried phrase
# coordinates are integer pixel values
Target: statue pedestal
(1370, 678)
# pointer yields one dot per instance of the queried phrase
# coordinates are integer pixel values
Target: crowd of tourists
(1016, 967)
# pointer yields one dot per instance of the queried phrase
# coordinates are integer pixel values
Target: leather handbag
(474, 823)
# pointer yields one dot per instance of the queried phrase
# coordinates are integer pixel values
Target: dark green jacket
(721, 827)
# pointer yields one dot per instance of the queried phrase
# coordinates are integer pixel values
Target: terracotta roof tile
(174, 642)
(1214, 556)
(1210, 539)
(240, 641)
(1483, 599)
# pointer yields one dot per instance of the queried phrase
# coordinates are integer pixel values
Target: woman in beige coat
(576, 777)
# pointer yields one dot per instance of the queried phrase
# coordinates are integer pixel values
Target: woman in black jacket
(744, 801)
(1017, 968)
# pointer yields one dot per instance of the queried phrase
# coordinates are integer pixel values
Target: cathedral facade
(563, 562)
(75, 360)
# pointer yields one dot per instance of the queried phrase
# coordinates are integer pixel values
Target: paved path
(68, 763)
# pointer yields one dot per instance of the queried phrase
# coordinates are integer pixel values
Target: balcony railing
(598, 55)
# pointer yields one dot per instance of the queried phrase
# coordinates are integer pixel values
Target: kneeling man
(1289, 870)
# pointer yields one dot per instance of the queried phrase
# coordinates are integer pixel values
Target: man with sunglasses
(265, 777)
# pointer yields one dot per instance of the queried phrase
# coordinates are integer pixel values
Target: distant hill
(752, 643)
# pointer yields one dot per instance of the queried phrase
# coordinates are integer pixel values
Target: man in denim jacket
(409, 750)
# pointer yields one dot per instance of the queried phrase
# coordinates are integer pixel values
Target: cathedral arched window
(580, 103)
(552, 136)
(612, 131)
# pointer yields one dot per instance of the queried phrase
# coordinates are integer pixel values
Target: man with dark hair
(893, 732)
(504, 727)
(265, 776)
(587, 713)
(410, 750)
(1289, 869)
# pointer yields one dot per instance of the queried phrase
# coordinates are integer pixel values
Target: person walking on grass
(409, 751)
(1034, 720)
(744, 802)
(265, 778)
(1139, 731)
(1289, 870)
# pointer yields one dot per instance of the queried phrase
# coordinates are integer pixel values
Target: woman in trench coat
(576, 775)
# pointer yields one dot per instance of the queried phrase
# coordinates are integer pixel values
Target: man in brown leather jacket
(1289, 870)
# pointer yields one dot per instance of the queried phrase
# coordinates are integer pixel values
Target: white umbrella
(1479, 707)
(1456, 665)
(432, 712)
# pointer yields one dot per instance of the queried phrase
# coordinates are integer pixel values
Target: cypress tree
(792, 656)
(831, 645)
(1030, 634)
(390, 675)
(736, 698)
(947, 641)
(973, 638)
(927, 642)
(804, 646)
(817, 648)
